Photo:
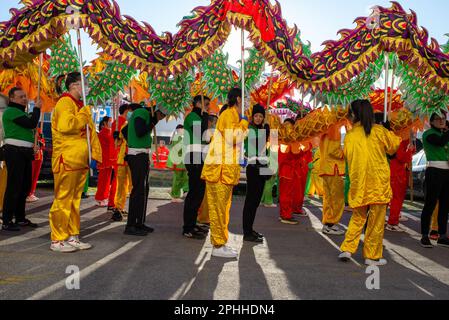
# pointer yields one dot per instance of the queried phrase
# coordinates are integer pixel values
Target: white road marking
(414, 261)
(422, 289)
(318, 226)
(86, 271)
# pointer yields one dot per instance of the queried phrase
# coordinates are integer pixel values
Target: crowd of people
(369, 172)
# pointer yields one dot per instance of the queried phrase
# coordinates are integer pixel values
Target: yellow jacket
(369, 171)
(69, 136)
(223, 159)
(332, 161)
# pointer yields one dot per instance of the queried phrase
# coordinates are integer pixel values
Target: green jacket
(435, 152)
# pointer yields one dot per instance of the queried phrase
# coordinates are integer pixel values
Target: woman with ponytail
(70, 163)
(366, 148)
(222, 171)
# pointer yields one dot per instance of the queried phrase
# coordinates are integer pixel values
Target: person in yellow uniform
(70, 164)
(332, 171)
(3, 172)
(222, 171)
(365, 150)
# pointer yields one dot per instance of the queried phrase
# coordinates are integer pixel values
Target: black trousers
(197, 188)
(254, 191)
(138, 200)
(19, 164)
(437, 189)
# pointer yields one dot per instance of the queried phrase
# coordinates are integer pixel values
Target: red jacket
(107, 148)
(400, 164)
(121, 123)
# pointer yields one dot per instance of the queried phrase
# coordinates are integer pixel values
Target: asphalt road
(295, 262)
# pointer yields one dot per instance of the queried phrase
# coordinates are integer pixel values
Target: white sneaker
(62, 247)
(76, 243)
(103, 203)
(403, 219)
(177, 200)
(392, 228)
(225, 252)
(32, 199)
(378, 263)
(345, 256)
(270, 205)
(333, 231)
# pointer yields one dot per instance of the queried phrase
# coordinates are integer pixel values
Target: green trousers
(180, 181)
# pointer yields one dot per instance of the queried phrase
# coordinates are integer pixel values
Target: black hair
(135, 106)
(104, 121)
(435, 115)
(290, 120)
(179, 126)
(123, 108)
(68, 79)
(379, 117)
(233, 95)
(13, 91)
(199, 99)
(364, 113)
(223, 109)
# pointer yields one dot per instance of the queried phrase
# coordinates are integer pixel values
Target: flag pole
(83, 89)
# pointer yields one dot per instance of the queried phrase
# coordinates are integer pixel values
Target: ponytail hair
(233, 95)
(223, 109)
(363, 112)
(68, 80)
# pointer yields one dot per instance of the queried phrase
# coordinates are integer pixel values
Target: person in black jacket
(18, 129)
(256, 154)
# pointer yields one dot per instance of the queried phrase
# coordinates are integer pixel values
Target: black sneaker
(253, 238)
(443, 242)
(133, 231)
(201, 230)
(145, 228)
(27, 223)
(259, 235)
(84, 196)
(425, 243)
(117, 216)
(111, 209)
(194, 235)
(12, 227)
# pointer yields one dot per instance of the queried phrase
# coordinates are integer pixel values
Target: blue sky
(318, 20)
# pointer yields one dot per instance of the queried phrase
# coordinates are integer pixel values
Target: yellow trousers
(334, 199)
(123, 186)
(65, 211)
(3, 180)
(219, 200)
(316, 185)
(435, 218)
(374, 234)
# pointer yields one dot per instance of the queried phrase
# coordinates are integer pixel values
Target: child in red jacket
(400, 173)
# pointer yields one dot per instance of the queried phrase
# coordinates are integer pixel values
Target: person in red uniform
(287, 177)
(106, 189)
(160, 160)
(400, 173)
(37, 165)
(301, 168)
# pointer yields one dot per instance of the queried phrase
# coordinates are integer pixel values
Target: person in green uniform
(436, 147)
(138, 135)
(176, 163)
(18, 128)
